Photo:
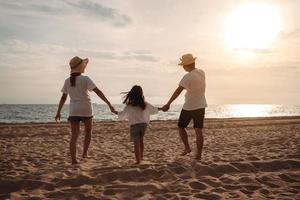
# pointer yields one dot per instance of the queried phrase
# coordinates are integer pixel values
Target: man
(195, 103)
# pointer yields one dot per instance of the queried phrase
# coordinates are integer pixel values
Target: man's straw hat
(187, 59)
(77, 64)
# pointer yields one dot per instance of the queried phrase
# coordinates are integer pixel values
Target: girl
(138, 112)
(77, 87)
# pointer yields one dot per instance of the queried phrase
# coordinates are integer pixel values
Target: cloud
(292, 34)
(254, 50)
(140, 57)
(19, 50)
(86, 8)
(30, 48)
(118, 55)
(33, 7)
(102, 12)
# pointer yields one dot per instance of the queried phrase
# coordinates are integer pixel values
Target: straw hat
(187, 59)
(78, 64)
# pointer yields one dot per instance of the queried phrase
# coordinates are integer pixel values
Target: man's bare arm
(175, 94)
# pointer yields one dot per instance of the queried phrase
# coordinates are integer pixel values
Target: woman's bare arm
(60, 106)
(102, 96)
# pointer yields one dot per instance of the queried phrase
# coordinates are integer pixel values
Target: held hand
(57, 117)
(161, 109)
(115, 112)
(112, 109)
(165, 107)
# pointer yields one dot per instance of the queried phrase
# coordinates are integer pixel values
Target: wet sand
(254, 158)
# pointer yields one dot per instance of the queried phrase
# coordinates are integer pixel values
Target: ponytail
(73, 78)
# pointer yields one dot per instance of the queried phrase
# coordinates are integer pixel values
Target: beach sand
(256, 158)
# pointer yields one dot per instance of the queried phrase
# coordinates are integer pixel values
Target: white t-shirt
(194, 83)
(136, 115)
(80, 101)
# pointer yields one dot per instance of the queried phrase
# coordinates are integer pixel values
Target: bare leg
(137, 151)
(87, 139)
(184, 138)
(199, 142)
(75, 129)
(142, 148)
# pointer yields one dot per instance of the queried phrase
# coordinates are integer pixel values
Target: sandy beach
(256, 158)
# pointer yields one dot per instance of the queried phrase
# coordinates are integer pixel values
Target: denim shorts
(137, 132)
(78, 118)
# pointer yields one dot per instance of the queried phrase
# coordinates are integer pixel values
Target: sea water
(20, 113)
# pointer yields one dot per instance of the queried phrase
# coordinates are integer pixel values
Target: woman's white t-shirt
(136, 115)
(80, 101)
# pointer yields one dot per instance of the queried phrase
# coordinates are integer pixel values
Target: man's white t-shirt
(194, 83)
(80, 101)
(136, 115)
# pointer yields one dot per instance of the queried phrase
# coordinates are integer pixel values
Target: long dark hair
(73, 78)
(135, 97)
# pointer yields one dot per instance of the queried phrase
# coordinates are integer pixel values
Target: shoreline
(168, 120)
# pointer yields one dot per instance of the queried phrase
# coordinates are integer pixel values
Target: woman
(78, 87)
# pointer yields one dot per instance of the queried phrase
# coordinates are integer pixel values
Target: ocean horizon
(38, 113)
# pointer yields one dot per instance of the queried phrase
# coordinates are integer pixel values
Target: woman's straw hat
(78, 64)
(187, 59)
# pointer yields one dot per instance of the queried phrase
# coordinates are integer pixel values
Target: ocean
(17, 113)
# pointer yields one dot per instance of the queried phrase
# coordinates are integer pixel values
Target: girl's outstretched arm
(102, 96)
(60, 106)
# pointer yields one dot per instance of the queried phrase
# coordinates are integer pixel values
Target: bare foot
(74, 162)
(198, 157)
(186, 151)
(86, 156)
(137, 163)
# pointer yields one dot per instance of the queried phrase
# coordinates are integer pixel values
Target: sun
(253, 26)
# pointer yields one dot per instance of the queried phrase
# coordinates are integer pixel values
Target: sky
(140, 42)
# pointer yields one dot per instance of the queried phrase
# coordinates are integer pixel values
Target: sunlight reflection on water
(250, 110)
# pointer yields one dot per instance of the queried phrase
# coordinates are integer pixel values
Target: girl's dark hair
(135, 97)
(73, 78)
